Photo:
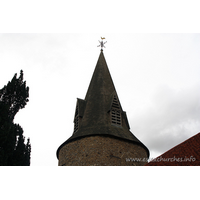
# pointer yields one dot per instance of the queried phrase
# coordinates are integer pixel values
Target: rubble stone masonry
(101, 151)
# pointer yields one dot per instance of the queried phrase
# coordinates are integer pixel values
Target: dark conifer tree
(13, 97)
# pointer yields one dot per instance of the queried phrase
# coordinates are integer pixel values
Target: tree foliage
(13, 97)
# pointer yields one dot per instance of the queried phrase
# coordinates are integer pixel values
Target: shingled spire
(100, 113)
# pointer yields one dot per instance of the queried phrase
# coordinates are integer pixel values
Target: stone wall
(101, 151)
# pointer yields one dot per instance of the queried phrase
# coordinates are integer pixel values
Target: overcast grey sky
(156, 77)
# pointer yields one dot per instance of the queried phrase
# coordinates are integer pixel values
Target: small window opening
(115, 112)
(76, 120)
(115, 103)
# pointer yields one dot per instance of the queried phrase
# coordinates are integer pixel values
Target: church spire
(101, 113)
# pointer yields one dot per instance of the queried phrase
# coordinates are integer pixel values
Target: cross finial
(102, 43)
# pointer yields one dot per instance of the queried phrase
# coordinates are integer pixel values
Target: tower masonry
(101, 130)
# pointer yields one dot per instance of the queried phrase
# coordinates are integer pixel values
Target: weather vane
(102, 43)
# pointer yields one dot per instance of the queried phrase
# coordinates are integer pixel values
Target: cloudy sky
(156, 77)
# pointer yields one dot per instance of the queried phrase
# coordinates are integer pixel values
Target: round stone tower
(101, 130)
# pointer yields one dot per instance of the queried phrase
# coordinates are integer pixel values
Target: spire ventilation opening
(116, 112)
(76, 119)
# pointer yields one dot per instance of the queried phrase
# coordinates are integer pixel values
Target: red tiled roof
(186, 153)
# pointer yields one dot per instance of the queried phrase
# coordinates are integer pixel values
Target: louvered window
(115, 112)
(76, 120)
(116, 117)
